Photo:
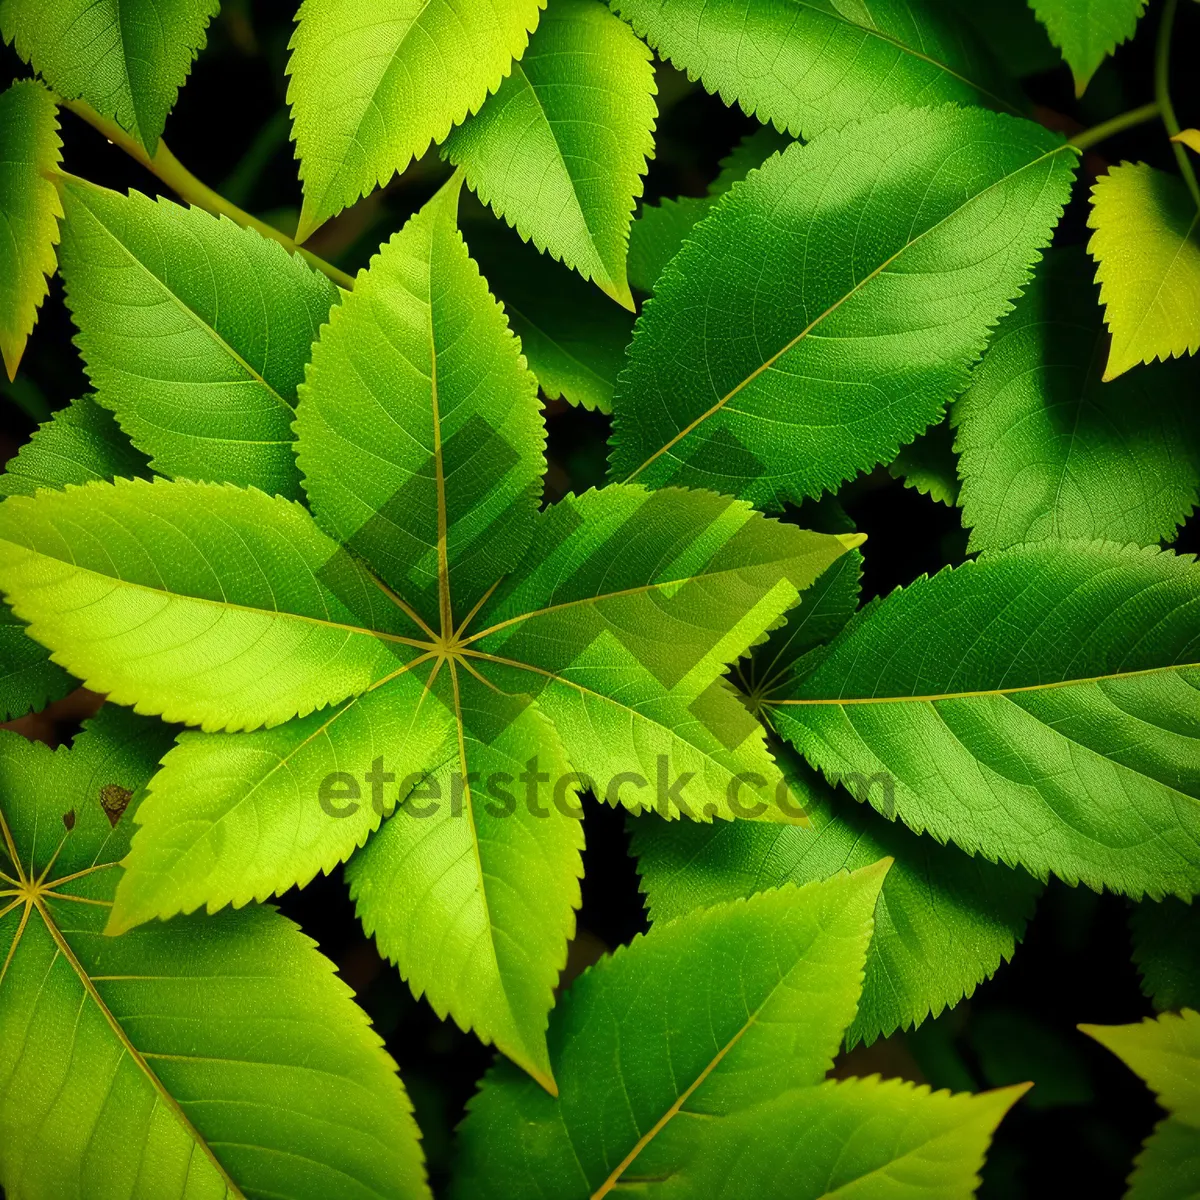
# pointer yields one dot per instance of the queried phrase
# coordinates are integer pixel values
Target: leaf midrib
(866, 279)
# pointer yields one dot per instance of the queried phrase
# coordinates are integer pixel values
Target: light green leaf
(214, 1057)
(767, 368)
(373, 83)
(928, 464)
(1147, 249)
(811, 66)
(1166, 948)
(944, 923)
(30, 208)
(1039, 706)
(661, 229)
(572, 337)
(126, 58)
(422, 350)
(234, 819)
(1088, 31)
(475, 899)
(698, 1044)
(80, 443)
(560, 150)
(200, 602)
(1049, 451)
(194, 332)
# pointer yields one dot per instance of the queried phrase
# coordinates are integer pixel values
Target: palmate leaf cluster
(297, 537)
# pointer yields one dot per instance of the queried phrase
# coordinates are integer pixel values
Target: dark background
(1078, 1131)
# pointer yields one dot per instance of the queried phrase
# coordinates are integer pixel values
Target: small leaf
(816, 66)
(126, 58)
(1088, 31)
(216, 1056)
(194, 332)
(1050, 451)
(1166, 948)
(1147, 249)
(372, 85)
(928, 464)
(30, 208)
(560, 150)
(772, 370)
(1038, 706)
(1189, 138)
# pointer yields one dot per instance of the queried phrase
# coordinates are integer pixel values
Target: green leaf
(80, 443)
(126, 58)
(1011, 32)
(928, 464)
(1147, 249)
(200, 602)
(945, 921)
(195, 332)
(1039, 706)
(767, 368)
(661, 229)
(1166, 948)
(30, 208)
(807, 67)
(560, 150)
(216, 1057)
(1088, 31)
(1049, 451)
(735, 1013)
(572, 337)
(372, 85)
(458, 632)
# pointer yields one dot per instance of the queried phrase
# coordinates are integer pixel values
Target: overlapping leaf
(1147, 248)
(81, 443)
(213, 1057)
(447, 632)
(30, 209)
(944, 923)
(1088, 31)
(1039, 706)
(194, 332)
(126, 58)
(831, 304)
(1166, 948)
(691, 1064)
(808, 67)
(373, 83)
(1166, 1054)
(560, 150)
(1048, 450)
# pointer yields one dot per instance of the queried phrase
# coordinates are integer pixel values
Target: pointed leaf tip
(851, 540)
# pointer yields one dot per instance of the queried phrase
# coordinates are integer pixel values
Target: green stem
(176, 176)
(1162, 68)
(1088, 138)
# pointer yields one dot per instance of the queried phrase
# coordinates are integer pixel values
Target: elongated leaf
(372, 83)
(560, 150)
(80, 443)
(30, 208)
(475, 899)
(680, 1052)
(944, 923)
(126, 58)
(808, 67)
(422, 348)
(1166, 948)
(194, 332)
(573, 338)
(1147, 249)
(1050, 451)
(771, 369)
(661, 229)
(1088, 31)
(213, 1057)
(1039, 706)
(200, 602)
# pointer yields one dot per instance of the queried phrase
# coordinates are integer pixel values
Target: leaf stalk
(1162, 92)
(1087, 138)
